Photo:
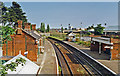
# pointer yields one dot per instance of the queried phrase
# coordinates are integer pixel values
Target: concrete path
(47, 60)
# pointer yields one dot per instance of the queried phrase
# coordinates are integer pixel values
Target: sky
(57, 13)
(61, 0)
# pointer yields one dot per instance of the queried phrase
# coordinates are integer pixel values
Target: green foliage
(48, 28)
(87, 44)
(88, 33)
(42, 28)
(59, 68)
(31, 27)
(60, 36)
(20, 61)
(99, 30)
(6, 32)
(62, 29)
(2, 70)
(12, 66)
(90, 27)
(69, 26)
(12, 14)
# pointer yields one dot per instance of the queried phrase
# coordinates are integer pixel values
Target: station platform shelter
(106, 45)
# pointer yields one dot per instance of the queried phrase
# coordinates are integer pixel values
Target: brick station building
(106, 45)
(25, 40)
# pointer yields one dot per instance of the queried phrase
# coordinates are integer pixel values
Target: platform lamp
(105, 30)
(81, 30)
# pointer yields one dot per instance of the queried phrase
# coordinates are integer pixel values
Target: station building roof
(28, 68)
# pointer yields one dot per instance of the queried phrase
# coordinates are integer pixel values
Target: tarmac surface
(103, 58)
(47, 61)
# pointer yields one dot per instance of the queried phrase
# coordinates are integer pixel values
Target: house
(25, 40)
(91, 30)
(70, 36)
(106, 45)
(28, 68)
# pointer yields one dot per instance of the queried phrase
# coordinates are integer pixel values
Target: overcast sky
(57, 13)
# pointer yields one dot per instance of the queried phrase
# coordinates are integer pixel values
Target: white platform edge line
(92, 58)
(56, 60)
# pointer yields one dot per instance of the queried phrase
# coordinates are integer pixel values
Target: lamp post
(105, 29)
(81, 30)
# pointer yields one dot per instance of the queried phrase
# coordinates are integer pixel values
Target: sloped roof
(91, 30)
(29, 67)
(70, 33)
(33, 33)
(112, 28)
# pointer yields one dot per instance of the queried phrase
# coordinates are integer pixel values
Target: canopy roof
(28, 68)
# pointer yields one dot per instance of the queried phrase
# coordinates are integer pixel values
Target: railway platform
(47, 60)
(103, 58)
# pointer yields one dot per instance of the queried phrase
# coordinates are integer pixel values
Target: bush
(58, 35)
(87, 44)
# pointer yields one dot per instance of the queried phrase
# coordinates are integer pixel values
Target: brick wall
(32, 48)
(94, 47)
(22, 42)
(116, 48)
(115, 51)
(27, 26)
(18, 44)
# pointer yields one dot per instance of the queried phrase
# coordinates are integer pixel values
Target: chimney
(27, 26)
(33, 26)
(19, 29)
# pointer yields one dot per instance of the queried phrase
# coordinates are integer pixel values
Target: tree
(69, 27)
(6, 32)
(12, 14)
(105, 24)
(4, 15)
(62, 29)
(42, 28)
(48, 28)
(20, 15)
(92, 26)
(99, 30)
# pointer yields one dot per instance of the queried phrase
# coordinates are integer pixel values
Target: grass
(59, 68)
(56, 44)
(56, 38)
(81, 71)
(60, 36)
(85, 43)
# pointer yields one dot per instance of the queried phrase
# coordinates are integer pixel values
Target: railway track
(89, 64)
(64, 67)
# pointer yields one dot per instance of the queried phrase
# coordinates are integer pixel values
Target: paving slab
(47, 61)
